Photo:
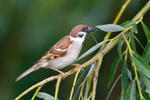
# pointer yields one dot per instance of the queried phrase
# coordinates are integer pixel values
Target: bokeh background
(28, 28)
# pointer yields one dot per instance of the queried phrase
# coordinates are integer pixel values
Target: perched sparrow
(63, 53)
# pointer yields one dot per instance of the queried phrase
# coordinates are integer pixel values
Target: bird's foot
(63, 75)
(78, 66)
(61, 72)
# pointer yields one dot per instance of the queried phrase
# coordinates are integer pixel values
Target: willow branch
(36, 92)
(57, 87)
(124, 6)
(74, 83)
(95, 78)
(134, 66)
(108, 47)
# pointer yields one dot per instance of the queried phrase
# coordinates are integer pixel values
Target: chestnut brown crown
(80, 28)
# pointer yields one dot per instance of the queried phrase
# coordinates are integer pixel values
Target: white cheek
(79, 39)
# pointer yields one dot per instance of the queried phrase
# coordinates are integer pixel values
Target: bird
(63, 53)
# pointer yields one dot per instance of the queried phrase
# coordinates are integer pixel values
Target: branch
(108, 47)
(118, 17)
(95, 78)
(57, 87)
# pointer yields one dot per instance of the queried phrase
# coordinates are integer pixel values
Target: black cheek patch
(80, 35)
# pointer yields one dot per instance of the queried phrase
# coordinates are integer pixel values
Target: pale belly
(69, 58)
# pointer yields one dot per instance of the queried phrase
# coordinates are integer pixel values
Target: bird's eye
(84, 29)
(80, 35)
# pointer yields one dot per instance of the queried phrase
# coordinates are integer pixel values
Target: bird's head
(79, 32)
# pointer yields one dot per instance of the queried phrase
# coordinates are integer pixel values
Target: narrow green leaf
(131, 91)
(132, 42)
(129, 74)
(124, 79)
(146, 30)
(92, 49)
(146, 81)
(113, 69)
(145, 96)
(127, 24)
(110, 28)
(139, 42)
(134, 29)
(120, 44)
(45, 96)
(91, 69)
(142, 65)
(82, 75)
(76, 93)
(146, 53)
(79, 80)
(111, 89)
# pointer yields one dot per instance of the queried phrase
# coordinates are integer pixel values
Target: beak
(90, 30)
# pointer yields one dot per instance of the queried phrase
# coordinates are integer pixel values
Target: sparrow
(63, 53)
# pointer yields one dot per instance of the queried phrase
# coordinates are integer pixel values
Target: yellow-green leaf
(131, 91)
(146, 30)
(142, 65)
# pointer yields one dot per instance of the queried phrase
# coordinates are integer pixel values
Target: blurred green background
(28, 28)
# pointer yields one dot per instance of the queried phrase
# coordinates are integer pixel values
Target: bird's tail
(33, 68)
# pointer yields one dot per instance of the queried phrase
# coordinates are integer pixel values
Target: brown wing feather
(54, 53)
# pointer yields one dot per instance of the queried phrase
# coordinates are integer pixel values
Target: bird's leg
(61, 72)
(78, 66)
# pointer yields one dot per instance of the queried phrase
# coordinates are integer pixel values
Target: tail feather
(33, 68)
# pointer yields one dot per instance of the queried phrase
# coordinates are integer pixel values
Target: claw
(78, 66)
(63, 75)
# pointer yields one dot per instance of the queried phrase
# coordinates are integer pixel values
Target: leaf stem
(108, 47)
(36, 92)
(135, 69)
(74, 83)
(95, 78)
(124, 6)
(57, 86)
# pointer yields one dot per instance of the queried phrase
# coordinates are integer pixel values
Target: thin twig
(95, 78)
(135, 69)
(57, 87)
(108, 47)
(36, 92)
(81, 91)
(124, 6)
(74, 83)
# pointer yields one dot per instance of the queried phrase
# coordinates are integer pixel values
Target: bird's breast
(72, 54)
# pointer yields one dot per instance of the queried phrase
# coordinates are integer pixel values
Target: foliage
(135, 88)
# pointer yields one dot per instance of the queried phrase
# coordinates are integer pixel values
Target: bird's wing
(58, 50)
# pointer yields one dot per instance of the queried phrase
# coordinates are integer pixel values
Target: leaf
(146, 30)
(131, 91)
(142, 65)
(124, 79)
(91, 69)
(80, 77)
(146, 53)
(45, 96)
(110, 28)
(111, 89)
(127, 24)
(139, 42)
(76, 93)
(92, 49)
(134, 29)
(129, 74)
(120, 44)
(146, 81)
(145, 96)
(113, 69)
(132, 42)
